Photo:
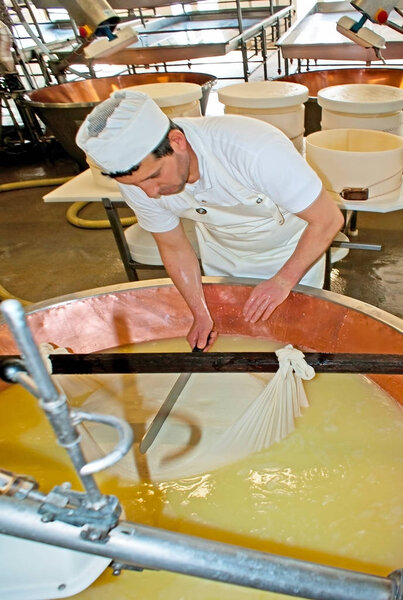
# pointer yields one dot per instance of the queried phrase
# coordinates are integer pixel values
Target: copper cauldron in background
(63, 107)
(317, 80)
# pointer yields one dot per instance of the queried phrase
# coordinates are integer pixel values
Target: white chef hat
(121, 131)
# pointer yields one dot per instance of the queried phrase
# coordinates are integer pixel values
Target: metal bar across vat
(214, 362)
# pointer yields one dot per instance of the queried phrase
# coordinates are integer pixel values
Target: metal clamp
(397, 578)
(122, 447)
(65, 505)
(19, 486)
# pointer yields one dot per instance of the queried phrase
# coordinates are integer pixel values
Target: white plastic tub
(279, 103)
(357, 158)
(362, 106)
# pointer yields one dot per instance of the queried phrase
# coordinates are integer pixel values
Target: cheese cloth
(218, 418)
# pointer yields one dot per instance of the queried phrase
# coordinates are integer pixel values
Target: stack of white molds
(143, 248)
(279, 103)
(175, 99)
(362, 106)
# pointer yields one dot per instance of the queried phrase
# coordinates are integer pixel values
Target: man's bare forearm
(324, 222)
(182, 266)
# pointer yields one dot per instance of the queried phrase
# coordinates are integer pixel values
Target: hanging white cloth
(270, 418)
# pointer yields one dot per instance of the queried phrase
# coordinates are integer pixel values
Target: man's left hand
(265, 298)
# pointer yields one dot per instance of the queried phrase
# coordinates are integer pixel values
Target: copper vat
(311, 319)
(134, 312)
(317, 80)
(63, 107)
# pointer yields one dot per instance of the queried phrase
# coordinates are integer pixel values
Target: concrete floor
(44, 256)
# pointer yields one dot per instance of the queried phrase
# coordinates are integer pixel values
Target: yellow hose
(73, 218)
(5, 295)
(73, 211)
(31, 183)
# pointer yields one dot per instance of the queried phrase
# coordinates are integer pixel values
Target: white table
(83, 188)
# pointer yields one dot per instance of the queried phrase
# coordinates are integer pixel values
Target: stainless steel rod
(149, 547)
(54, 403)
(15, 318)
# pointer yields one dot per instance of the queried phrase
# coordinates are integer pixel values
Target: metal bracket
(10, 369)
(397, 577)
(63, 504)
(122, 447)
(19, 486)
(118, 567)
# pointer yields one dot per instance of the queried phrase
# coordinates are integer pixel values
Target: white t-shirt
(256, 155)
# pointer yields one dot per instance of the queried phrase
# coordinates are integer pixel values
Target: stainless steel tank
(63, 107)
(317, 80)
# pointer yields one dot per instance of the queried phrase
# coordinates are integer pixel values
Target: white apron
(250, 239)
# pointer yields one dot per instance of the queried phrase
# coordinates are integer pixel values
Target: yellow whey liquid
(329, 493)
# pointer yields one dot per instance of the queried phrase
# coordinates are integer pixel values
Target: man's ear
(177, 139)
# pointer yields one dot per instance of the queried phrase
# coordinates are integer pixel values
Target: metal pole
(148, 547)
(54, 403)
(120, 239)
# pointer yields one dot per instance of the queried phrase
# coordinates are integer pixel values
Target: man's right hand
(202, 334)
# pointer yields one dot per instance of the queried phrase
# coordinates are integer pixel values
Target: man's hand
(265, 298)
(202, 334)
(324, 220)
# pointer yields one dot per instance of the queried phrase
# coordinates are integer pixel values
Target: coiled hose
(71, 216)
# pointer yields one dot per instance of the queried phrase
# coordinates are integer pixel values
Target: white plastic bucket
(276, 102)
(362, 106)
(357, 158)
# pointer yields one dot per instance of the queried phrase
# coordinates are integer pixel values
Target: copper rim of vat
(317, 80)
(311, 319)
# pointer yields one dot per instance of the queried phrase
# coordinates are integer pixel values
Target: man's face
(161, 176)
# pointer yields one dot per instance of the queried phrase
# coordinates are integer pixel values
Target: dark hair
(164, 148)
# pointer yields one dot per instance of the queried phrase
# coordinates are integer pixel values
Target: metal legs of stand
(120, 239)
(328, 269)
(351, 246)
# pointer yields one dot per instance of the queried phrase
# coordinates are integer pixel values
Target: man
(260, 210)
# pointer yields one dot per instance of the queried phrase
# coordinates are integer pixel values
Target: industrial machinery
(98, 33)
(98, 20)
(376, 11)
(87, 527)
